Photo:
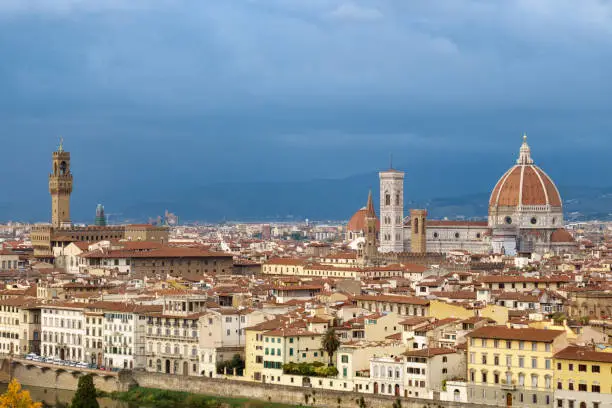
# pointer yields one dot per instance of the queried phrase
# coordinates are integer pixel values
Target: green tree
(330, 343)
(85, 396)
(397, 404)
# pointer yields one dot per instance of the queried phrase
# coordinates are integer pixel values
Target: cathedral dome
(525, 184)
(525, 197)
(357, 223)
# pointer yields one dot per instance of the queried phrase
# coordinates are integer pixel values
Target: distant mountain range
(335, 199)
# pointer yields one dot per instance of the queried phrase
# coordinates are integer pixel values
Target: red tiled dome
(561, 235)
(525, 184)
(357, 222)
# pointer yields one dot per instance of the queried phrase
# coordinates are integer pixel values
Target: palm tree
(330, 343)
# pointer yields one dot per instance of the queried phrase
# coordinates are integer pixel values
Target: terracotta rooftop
(505, 333)
(429, 352)
(583, 354)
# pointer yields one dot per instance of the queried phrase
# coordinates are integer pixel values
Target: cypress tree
(85, 396)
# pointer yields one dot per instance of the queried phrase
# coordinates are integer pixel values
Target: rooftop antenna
(391, 161)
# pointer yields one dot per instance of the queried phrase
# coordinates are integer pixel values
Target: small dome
(525, 184)
(561, 235)
(357, 222)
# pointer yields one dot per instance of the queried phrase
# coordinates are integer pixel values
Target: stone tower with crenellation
(60, 187)
(418, 231)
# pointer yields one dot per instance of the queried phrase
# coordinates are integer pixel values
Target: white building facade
(391, 236)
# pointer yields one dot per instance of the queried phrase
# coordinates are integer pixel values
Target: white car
(30, 356)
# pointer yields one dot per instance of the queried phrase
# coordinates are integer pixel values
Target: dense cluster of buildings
(506, 313)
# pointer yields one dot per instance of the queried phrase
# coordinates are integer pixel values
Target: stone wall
(31, 375)
(63, 379)
(276, 393)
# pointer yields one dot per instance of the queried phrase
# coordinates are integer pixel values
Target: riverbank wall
(303, 396)
(66, 378)
(59, 377)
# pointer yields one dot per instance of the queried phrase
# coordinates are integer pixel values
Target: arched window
(63, 168)
(397, 199)
(416, 225)
(387, 198)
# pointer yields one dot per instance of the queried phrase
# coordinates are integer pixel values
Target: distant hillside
(337, 200)
(334, 199)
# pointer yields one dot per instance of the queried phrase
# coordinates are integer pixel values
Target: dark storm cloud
(264, 89)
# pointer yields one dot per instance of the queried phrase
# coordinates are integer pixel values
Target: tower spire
(370, 212)
(391, 161)
(60, 148)
(524, 152)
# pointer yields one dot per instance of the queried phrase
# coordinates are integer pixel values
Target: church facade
(525, 216)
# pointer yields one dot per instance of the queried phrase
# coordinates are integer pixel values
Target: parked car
(82, 365)
(30, 356)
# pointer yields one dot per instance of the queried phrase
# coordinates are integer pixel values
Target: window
(547, 364)
(559, 403)
(534, 398)
(484, 377)
(344, 358)
(484, 359)
(509, 361)
(534, 362)
(496, 343)
(534, 381)
(582, 387)
(559, 366)
(595, 388)
(570, 367)
(595, 368)
(534, 346)
(495, 360)
(484, 342)
(570, 386)
(582, 367)
(508, 344)
(521, 361)
(547, 347)
(521, 345)
(559, 385)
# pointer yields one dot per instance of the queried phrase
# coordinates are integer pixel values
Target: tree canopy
(330, 343)
(85, 396)
(15, 397)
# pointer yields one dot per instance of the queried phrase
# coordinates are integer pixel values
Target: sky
(154, 96)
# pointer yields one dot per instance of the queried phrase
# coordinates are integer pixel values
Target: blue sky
(164, 94)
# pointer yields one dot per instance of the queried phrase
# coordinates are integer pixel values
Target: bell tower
(60, 187)
(391, 210)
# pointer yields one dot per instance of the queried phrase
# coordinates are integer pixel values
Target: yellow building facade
(512, 367)
(583, 378)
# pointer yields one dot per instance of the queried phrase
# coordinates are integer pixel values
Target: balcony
(508, 386)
